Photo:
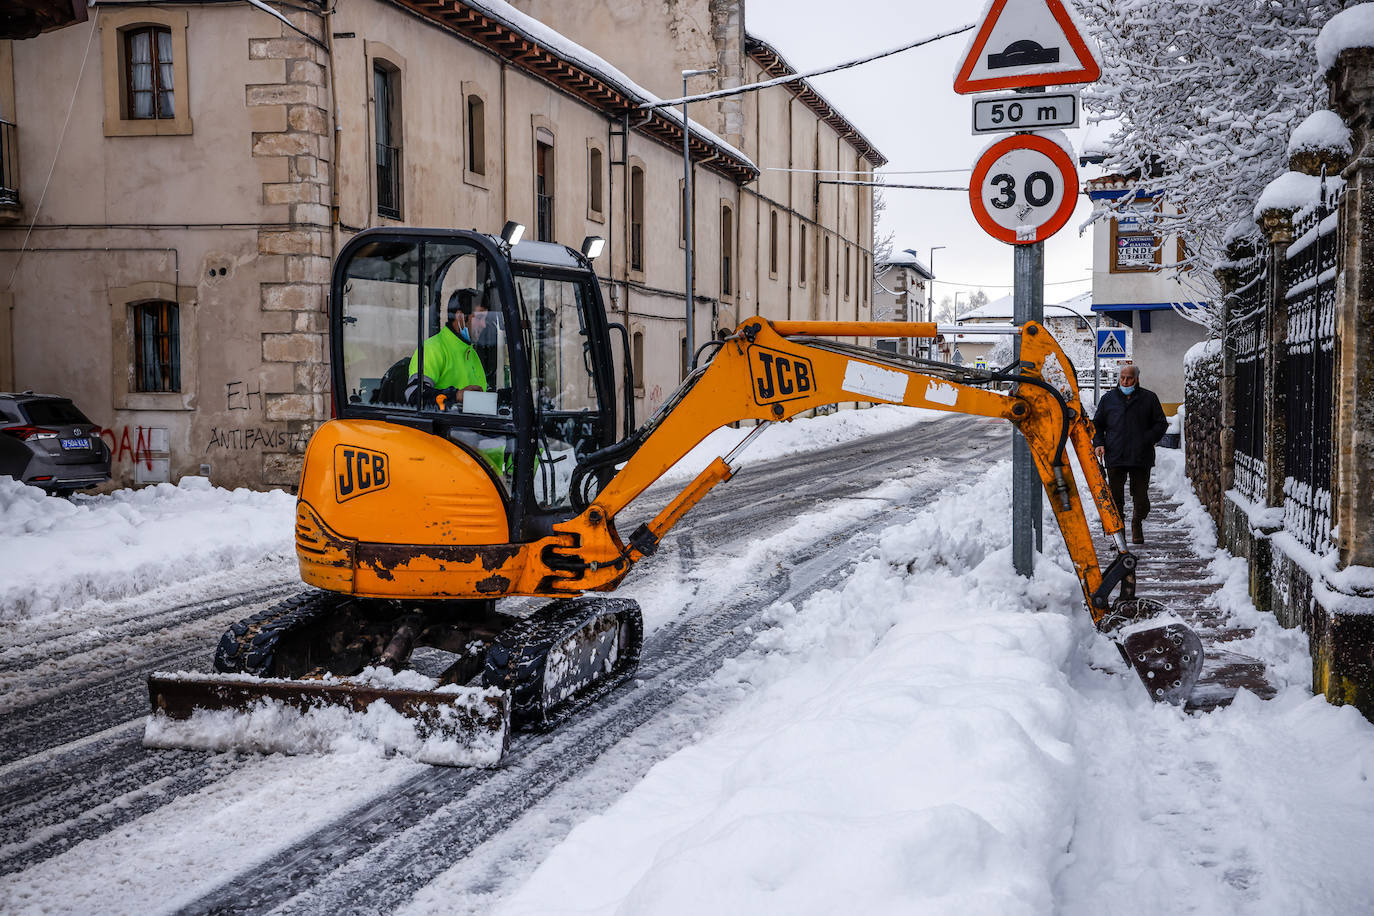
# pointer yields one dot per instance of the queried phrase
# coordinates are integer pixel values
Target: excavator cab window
(396, 311)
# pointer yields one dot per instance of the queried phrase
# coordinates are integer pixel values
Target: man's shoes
(1137, 531)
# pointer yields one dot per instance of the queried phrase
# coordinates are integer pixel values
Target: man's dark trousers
(1140, 489)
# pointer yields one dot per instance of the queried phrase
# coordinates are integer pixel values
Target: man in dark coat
(1128, 423)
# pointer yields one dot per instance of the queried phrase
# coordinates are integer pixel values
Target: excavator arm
(773, 371)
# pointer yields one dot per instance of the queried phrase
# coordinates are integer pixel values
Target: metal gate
(1247, 330)
(1309, 279)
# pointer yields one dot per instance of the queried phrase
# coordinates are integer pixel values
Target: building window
(148, 73)
(801, 254)
(727, 246)
(144, 71)
(636, 218)
(594, 170)
(825, 266)
(157, 346)
(773, 243)
(477, 135)
(638, 356)
(682, 213)
(846, 272)
(543, 184)
(386, 102)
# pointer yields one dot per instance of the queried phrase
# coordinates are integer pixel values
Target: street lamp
(687, 213)
(930, 290)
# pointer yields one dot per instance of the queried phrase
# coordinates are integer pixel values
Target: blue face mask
(467, 338)
(1127, 389)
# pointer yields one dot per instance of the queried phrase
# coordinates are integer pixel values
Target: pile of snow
(1291, 191)
(56, 553)
(1351, 28)
(939, 735)
(1321, 130)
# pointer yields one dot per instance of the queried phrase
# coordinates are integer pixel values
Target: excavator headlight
(512, 232)
(592, 246)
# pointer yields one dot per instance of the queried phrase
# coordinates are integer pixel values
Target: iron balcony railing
(389, 181)
(9, 164)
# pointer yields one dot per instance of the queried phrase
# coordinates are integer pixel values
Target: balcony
(388, 181)
(9, 172)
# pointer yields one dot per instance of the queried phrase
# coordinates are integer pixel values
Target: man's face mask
(463, 333)
(1126, 389)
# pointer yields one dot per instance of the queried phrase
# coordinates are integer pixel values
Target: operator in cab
(452, 365)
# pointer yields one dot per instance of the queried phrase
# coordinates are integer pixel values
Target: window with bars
(148, 78)
(727, 248)
(157, 346)
(636, 218)
(386, 101)
(543, 185)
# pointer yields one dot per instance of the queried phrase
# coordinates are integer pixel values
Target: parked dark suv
(46, 441)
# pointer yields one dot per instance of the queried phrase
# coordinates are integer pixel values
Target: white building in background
(1132, 286)
(1072, 322)
(901, 292)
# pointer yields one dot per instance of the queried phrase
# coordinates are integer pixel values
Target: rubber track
(515, 660)
(249, 646)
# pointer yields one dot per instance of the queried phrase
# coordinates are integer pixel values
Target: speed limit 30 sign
(1023, 189)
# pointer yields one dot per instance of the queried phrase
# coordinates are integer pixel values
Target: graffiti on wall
(238, 396)
(132, 445)
(254, 437)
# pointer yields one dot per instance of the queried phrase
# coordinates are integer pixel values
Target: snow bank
(1201, 350)
(940, 736)
(55, 553)
(1351, 28)
(905, 747)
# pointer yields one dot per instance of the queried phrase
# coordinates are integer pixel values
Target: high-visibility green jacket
(450, 362)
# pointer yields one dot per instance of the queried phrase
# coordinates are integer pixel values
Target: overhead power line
(884, 184)
(796, 77)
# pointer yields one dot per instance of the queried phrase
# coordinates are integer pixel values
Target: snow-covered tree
(882, 235)
(1205, 94)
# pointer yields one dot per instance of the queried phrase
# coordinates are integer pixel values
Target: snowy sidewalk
(1174, 569)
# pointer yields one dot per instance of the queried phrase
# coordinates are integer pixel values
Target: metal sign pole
(1028, 304)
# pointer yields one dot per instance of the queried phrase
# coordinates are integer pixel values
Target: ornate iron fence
(1309, 279)
(1247, 330)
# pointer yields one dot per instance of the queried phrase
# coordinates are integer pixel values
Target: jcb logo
(359, 472)
(780, 376)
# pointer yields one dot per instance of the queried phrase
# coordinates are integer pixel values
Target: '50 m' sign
(1023, 189)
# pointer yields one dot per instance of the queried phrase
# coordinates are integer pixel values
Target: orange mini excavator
(422, 507)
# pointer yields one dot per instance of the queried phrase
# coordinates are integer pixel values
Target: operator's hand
(1099, 451)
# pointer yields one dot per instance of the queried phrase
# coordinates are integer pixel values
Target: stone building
(179, 176)
(901, 292)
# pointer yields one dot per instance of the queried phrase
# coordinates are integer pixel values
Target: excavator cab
(539, 329)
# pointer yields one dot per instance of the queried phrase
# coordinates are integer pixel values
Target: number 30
(1035, 181)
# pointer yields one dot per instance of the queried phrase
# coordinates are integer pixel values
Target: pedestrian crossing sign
(980, 363)
(1111, 342)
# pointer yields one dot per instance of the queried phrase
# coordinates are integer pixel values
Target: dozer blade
(453, 726)
(1164, 651)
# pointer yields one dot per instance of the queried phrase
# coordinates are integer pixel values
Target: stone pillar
(1229, 278)
(1343, 616)
(294, 295)
(1351, 84)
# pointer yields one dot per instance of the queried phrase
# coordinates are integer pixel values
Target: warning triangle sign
(1022, 44)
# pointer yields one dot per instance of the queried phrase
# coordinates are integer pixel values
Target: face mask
(1127, 389)
(467, 338)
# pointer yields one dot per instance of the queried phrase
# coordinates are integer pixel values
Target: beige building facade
(165, 252)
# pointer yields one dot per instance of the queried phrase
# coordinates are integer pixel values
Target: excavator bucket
(453, 725)
(1164, 651)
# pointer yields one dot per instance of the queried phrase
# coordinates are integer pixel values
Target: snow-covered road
(848, 702)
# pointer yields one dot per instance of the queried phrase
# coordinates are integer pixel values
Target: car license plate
(76, 443)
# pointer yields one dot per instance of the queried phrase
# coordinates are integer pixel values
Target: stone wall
(1202, 425)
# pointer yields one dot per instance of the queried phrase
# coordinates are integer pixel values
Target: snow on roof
(1290, 191)
(536, 31)
(1352, 28)
(1321, 130)
(907, 258)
